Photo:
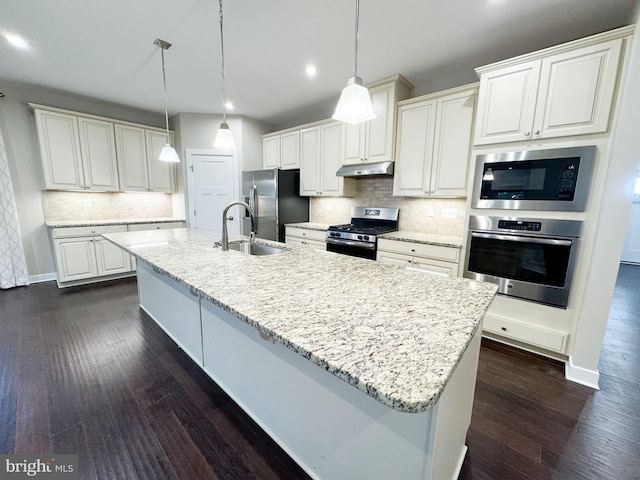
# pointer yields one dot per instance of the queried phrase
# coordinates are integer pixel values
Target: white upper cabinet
(561, 91)
(97, 144)
(140, 170)
(85, 152)
(281, 150)
(434, 141)
(321, 154)
(78, 153)
(373, 141)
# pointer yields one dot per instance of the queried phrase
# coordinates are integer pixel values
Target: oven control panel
(519, 225)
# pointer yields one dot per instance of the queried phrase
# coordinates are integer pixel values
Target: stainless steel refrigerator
(274, 197)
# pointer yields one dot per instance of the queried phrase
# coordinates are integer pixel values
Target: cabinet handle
(504, 329)
(193, 292)
(157, 270)
(413, 249)
(537, 132)
(528, 134)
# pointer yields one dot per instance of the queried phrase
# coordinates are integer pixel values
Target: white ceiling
(104, 48)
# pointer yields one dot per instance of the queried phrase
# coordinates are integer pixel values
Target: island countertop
(395, 334)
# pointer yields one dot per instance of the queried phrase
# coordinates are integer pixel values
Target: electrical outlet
(450, 212)
(87, 203)
(146, 203)
(431, 212)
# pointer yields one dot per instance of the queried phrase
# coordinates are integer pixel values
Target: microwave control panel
(519, 225)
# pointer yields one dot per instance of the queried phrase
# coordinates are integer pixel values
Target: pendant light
(355, 105)
(224, 139)
(168, 153)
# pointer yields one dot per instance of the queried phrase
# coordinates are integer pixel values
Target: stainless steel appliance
(274, 199)
(360, 237)
(553, 179)
(528, 258)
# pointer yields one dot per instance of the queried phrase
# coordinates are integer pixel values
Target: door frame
(189, 154)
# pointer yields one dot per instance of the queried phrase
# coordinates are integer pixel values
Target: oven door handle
(514, 238)
(352, 243)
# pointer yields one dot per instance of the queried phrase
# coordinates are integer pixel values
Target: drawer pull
(157, 270)
(193, 292)
(504, 329)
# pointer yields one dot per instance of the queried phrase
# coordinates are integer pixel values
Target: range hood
(364, 169)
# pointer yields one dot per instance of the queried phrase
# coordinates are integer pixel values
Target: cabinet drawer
(447, 254)
(318, 235)
(66, 232)
(138, 227)
(547, 338)
(306, 242)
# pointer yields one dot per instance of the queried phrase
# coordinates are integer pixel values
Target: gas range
(360, 237)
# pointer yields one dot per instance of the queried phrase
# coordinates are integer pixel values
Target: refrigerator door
(259, 191)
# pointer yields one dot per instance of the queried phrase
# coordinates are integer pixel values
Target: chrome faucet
(225, 232)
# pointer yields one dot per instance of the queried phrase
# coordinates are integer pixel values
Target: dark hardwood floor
(84, 371)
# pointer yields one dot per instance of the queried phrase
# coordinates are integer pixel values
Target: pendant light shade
(355, 104)
(168, 153)
(224, 138)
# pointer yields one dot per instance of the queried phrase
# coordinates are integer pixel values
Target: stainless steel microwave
(553, 179)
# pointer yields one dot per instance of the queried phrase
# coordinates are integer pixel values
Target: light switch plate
(431, 212)
(87, 203)
(450, 212)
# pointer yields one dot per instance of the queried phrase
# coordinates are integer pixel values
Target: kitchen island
(357, 369)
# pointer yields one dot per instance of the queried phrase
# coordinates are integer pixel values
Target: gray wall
(18, 126)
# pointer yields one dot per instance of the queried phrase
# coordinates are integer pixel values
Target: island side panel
(174, 307)
(333, 430)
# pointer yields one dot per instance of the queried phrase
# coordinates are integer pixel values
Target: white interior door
(213, 183)
(631, 250)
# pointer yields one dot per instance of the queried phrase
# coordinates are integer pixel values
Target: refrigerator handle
(253, 204)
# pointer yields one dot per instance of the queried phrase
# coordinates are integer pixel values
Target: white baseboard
(44, 277)
(580, 375)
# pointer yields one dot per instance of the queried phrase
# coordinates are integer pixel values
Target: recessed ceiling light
(311, 70)
(16, 41)
(229, 105)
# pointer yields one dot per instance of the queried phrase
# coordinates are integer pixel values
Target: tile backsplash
(416, 214)
(105, 206)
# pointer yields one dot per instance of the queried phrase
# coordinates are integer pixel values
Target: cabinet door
(310, 161)
(161, 174)
(436, 266)
(97, 143)
(290, 150)
(506, 104)
(271, 152)
(60, 150)
(76, 258)
(379, 140)
(576, 91)
(452, 145)
(132, 158)
(110, 259)
(332, 152)
(354, 136)
(416, 125)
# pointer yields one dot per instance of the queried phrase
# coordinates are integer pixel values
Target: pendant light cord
(355, 55)
(166, 102)
(224, 92)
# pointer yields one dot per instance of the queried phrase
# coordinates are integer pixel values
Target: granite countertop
(310, 225)
(119, 221)
(427, 238)
(395, 334)
(400, 236)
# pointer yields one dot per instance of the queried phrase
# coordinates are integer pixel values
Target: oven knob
(366, 238)
(359, 237)
(509, 285)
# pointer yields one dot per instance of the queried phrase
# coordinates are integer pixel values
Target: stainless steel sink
(256, 248)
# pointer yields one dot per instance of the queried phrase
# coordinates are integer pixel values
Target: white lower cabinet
(82, 254)
(174, 306)
(310, 238)
(139, 227)
(433, 258)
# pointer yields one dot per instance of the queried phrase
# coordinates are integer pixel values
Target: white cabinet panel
(132, 154)
(290, 150)
(310, 162)
(161, 174)
(434, 143)
(271, 152)
(111, 259)
(433, 258)
(566, 91)
(60, 150)
(97, 142)
(331, 158)
(75, 258)
(309, 238)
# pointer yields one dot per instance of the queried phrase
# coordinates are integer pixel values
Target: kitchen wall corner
(378, 192)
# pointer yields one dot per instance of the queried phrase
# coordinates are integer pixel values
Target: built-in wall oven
(528, 258)
(552, 179)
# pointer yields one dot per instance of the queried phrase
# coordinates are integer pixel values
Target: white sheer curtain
(13, 266)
